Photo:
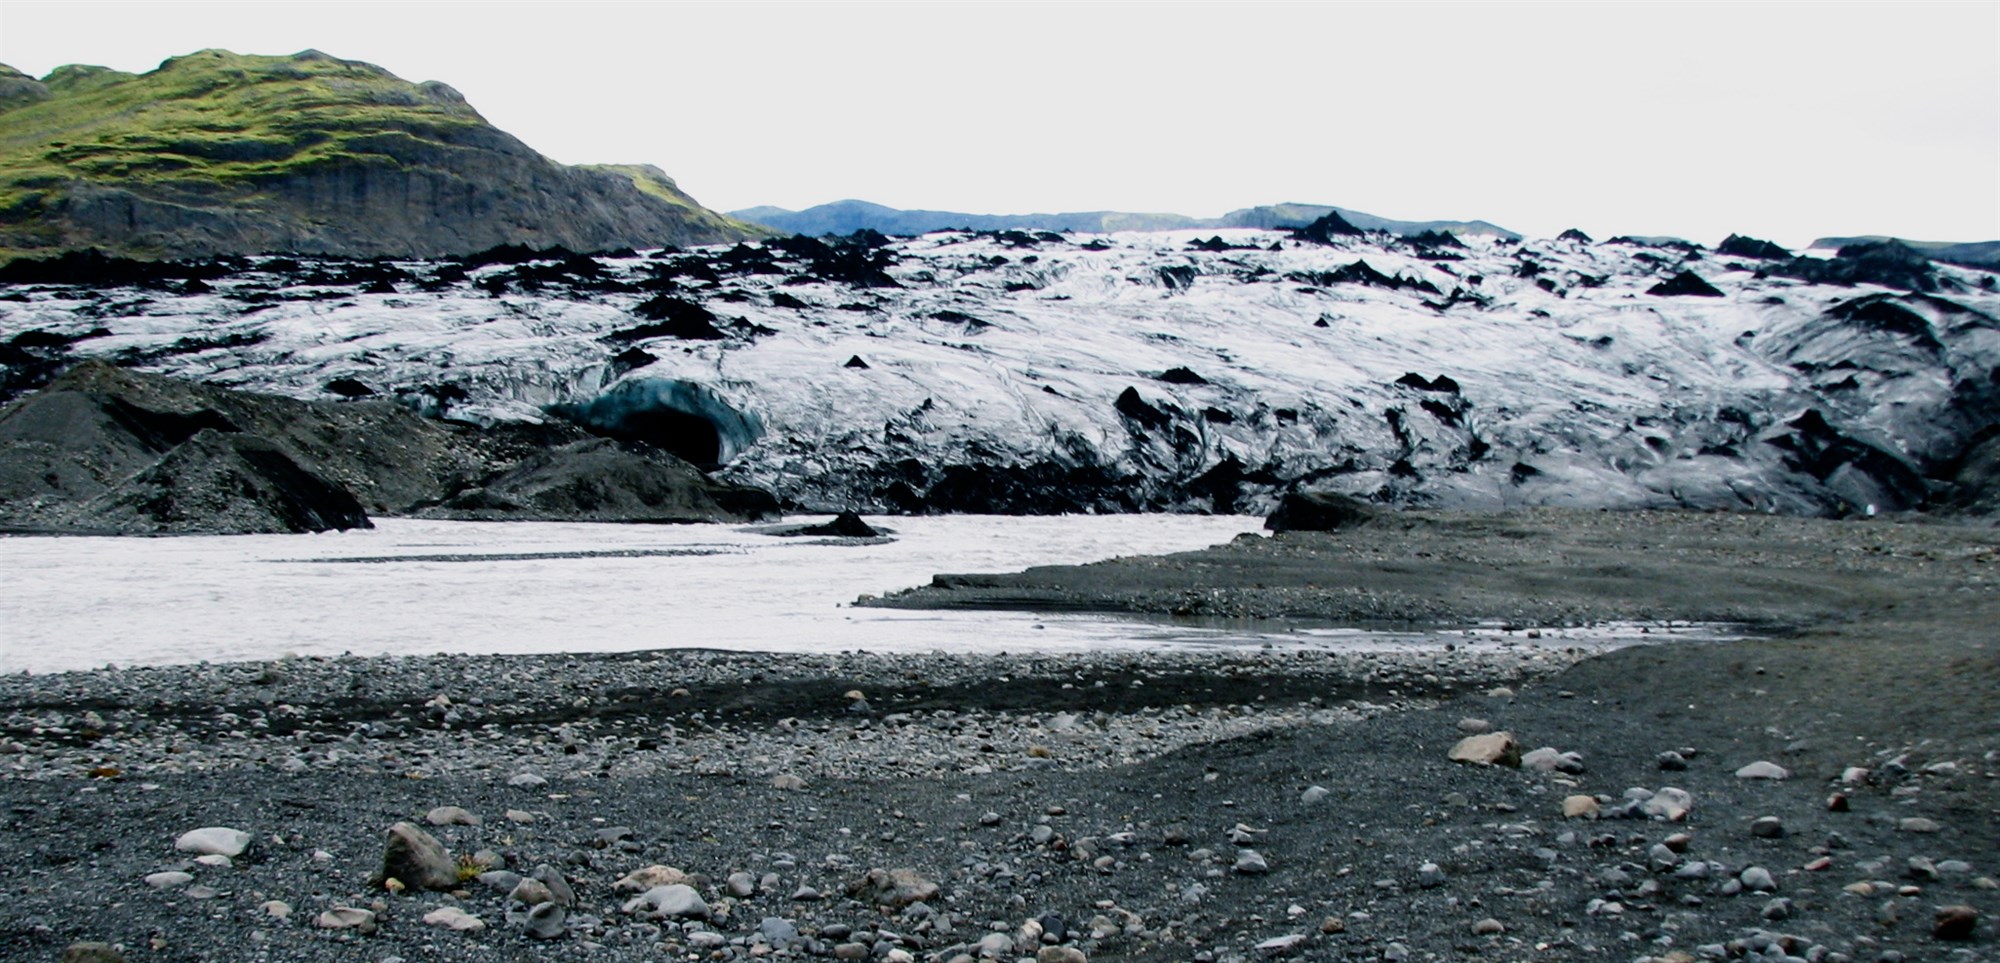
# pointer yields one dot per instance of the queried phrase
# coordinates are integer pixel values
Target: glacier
(1207, 371)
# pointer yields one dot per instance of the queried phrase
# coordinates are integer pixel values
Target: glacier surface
(1189, 371)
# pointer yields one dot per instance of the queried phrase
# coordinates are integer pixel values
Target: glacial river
(409, 587)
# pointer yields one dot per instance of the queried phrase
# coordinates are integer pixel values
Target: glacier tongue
(1034, 372)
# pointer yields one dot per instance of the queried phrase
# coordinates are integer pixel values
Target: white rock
(1763, 770)
(676, 901)
(214, 861)
(454, 919)
(213, 840)
(169, 879)
(1314, 794)
(347, 918)
(526, 780)
(450, 816)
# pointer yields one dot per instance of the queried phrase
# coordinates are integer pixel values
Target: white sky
(1787, 121)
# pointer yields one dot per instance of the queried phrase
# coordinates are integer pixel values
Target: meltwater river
(410, 587)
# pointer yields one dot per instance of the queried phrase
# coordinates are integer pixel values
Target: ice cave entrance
(681, 417)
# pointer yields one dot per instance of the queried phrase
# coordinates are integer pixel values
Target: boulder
(1319, 512)
(417, 859)
(1488, 749)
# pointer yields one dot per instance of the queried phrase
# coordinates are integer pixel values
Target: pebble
(215, 861)
(1474, 727)
(1671, 761)
(169, 879)
(213, 840)
(520, 816)
(1430, 876)
(1249, 862)
(1060, 954)
(276, 909)
(1580, 806)
(1763, 770)
(1767, 827)
(526, 780)
(788, 782)
(1918, 824)
(741, 885)
(454, 919)
(1489, 927)
(1314, 795)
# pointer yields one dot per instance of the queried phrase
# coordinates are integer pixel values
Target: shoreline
(1209, 806)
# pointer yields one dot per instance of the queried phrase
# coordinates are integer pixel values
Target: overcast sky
(1787, 121)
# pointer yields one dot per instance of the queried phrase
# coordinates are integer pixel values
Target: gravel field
(1186, 805)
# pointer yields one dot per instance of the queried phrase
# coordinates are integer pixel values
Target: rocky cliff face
(218, 153)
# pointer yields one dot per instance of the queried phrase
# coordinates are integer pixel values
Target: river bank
(1209, 805)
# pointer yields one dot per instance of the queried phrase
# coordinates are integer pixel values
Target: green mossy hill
(223, 153)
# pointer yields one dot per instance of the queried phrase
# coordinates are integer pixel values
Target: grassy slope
(218, 126)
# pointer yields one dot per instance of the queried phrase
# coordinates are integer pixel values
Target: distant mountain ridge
(224, 153)
(848, 216)
(1981, 254)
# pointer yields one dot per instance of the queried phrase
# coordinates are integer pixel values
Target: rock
(276, 909)
(1918, 824)
(548, 921)
(558, 887)
(526, 780)
(844, 525)
(92, 953)
(454, 919)
(895, 888)
(347, 918)
(853, 952)
(450, 816)
(1474, 727)
(673, 901)
(778, 930)
(1060, 954)
(1763, 770)
(1314, 795)
(650, 877)
(1319, 512)
(1282, 945)
(499, 880)
(741, 885)
(213, 840)
(1757, 879)
(1767, 827)
(214, 861)
(1671, 761)
(788, 782)
(1548, 759)
(1580, 806)
(1686, 283)
(1489, 927)
(520, 817)
(416, 858)
(169, 879)
(1332, 925)
(1955, 922)
(1668, 803)
(1488, 749)
(530, 892)
(1430, 876)
(1249, 862)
